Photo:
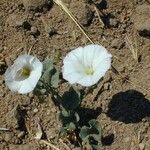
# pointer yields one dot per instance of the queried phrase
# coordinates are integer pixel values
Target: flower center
(23, 73)
(89, 71)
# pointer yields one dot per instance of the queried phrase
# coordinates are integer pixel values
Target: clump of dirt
(36, 5)
(141, 19)
(85, 16)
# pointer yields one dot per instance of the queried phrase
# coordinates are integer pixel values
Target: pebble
(49, 28)
(35, 110)
(141, 146)
(117, 44)
(43, 91)
(108, 128)
(35, 31)
(21, 135)
(82, 12)
(113, 22)
(31, 95)
(107, 86)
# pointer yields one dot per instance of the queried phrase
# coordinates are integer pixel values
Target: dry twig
(131, 47)
(97, 12)
(4, 129)
(49, 144)
(64, 144)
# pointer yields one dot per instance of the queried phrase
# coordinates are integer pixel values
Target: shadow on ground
(129, 107)
(86, 114)
(108, 140)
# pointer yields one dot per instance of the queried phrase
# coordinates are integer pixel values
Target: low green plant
(69, 104)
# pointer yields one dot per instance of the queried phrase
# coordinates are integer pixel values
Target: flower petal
(73, 67)
(23, 85)
(89, 54)
(86, 81)
(91, 57)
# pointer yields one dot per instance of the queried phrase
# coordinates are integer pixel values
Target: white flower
(86, 65)
(24, 74)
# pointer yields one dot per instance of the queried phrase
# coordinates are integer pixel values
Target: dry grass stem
(4, 129)
(29, 52)
(49, 144)
(134, 51)
(97, 12)
(64, 144)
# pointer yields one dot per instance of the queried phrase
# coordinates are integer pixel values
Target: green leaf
(38, 88)
(50, 73)
(94, 131)
(95, 147)
(47, 68)
(55, 78)
(71, 99)
(48, 64)
(72, 126)
(68, 119)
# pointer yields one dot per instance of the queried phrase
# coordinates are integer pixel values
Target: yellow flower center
(89, 71)
(25, 71)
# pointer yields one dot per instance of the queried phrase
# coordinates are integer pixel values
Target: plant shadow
(102, 5)
(86, 114)
(129, 107)
(108, 140)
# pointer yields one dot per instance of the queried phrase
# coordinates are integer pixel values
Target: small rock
(36, 5)
(141, 19)
(108, 128)
(49, 28)
(34, 31)
(35, 110)
(117, 43)
(82, 11)
(141, 146)
(31, 95)
(21, 135)
(113, 22)
(43, 91)
(23, 23)
(107, 86)
(18, 21)
(25, 101)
